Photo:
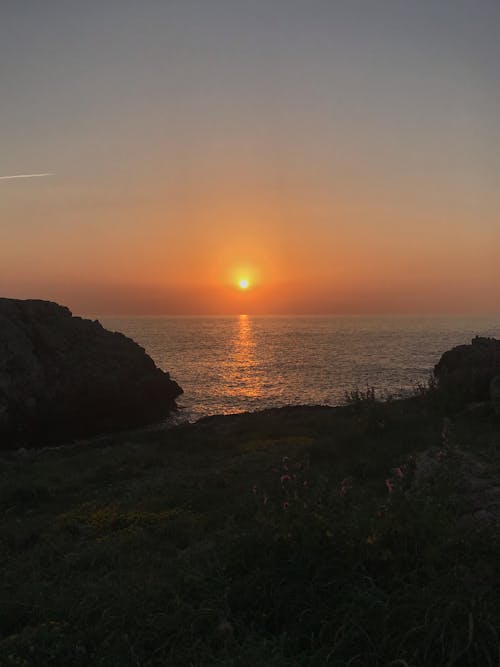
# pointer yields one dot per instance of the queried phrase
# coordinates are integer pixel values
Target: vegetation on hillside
(301, 536)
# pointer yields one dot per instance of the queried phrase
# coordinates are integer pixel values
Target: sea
(246, 363)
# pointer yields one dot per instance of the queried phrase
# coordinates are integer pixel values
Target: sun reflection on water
(244, 377)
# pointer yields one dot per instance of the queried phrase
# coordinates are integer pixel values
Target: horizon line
(367, 314)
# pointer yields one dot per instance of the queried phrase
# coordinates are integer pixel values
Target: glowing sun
(243, 283)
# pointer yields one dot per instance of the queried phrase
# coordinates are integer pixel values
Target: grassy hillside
(301, 536)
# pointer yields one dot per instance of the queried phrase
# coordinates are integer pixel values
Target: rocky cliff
(470, 373)
(63, 377)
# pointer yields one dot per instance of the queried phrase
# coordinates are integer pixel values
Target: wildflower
(254, 489)
(305, 483)
(441, 455)
(399, 472)
(345, 485)
(390, 485)
(286, 505)
(285, 478)
(284, 461)
(371, 539)
(225, 628)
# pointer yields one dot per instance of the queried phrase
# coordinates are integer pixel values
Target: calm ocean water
(233, 364)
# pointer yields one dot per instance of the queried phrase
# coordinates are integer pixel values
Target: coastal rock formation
(469, 373)
(63, 377)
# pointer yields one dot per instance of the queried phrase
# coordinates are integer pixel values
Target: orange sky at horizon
(351, 266)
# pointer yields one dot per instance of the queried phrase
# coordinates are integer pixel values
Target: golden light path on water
(243, 377)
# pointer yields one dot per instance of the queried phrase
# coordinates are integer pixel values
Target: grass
(263, 539)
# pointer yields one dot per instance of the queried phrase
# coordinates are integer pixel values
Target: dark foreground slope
(63, 376)
(364, 535)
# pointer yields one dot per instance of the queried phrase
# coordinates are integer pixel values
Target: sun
(243, 283)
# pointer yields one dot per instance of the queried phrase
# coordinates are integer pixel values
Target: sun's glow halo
(243, 283)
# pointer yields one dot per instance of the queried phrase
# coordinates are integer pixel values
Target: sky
(343, 156)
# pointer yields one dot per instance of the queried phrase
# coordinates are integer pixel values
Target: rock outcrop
(470, 373)
(63, 377)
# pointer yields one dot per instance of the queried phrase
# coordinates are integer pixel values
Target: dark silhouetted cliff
(63, 377)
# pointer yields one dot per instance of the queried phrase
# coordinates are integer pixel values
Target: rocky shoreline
(64, 377)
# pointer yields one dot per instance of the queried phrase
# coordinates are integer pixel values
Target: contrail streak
(8, 178)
